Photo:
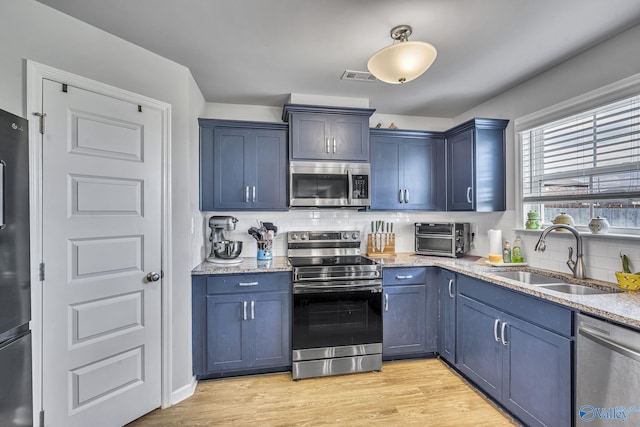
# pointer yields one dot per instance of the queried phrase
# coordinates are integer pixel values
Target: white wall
(30, 30)
(612, 60)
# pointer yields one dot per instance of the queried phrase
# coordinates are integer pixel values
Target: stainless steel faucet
(577, 266)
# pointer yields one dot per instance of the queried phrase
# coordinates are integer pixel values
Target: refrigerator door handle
(3, 224)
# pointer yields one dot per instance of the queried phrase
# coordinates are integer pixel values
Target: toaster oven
(451, 239)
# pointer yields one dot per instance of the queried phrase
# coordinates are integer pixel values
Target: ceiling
(258, 52)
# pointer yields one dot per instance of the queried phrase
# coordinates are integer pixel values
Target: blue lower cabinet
(239, 331)
(447, 316)
(410, 312)
(524, 367)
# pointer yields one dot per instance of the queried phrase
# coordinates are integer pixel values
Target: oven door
(327, 315)
(436, 245)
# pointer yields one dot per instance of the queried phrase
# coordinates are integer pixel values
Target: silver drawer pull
(244, 310)
(409, 276)
(502, 333)
(495, 330)
(451, 295)
(253, 310)
(248, 284)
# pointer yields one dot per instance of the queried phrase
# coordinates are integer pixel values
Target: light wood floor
(405, 393)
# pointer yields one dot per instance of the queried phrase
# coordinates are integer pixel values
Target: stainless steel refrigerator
(15, 283)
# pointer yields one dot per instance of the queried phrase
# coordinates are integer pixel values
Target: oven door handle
(305, 288)
(349, 178)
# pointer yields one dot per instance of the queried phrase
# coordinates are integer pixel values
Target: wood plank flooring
(405, 393)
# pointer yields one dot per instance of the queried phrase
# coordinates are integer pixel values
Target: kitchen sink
(569, 288)
(529, 278)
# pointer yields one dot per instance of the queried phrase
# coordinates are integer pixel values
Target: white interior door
(101, 222)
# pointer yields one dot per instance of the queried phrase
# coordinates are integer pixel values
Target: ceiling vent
(361, 76)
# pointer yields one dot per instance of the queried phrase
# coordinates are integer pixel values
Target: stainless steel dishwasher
(608, 374)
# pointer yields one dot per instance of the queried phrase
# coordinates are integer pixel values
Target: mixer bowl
(228, 249)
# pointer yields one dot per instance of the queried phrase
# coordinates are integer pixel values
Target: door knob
(153, 277)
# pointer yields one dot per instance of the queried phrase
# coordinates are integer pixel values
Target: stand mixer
(223, 251)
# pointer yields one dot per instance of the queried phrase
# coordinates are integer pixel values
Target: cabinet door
(271, 324)
(385, 173)
(421, 166)
(460, 172)
(537, 375)
(268, 170)
(447, 338)
(228, 334)
(349, 138)
(404, 320)
(310, 137)
(229, 187)
(479, 354)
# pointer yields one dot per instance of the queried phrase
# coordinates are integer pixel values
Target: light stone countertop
(622, 307)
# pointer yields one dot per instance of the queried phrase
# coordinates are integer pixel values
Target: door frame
(36, 73)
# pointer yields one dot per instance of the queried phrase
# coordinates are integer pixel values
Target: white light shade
(402, 62)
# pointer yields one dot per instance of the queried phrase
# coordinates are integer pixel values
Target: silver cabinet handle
(253, 310)
(408, 276)
(326, 145)
(3, 224)
(502, 333)
(386, 302)
(254, 194)
(495, 330)
(400, 196)
(406, 195)
(248, 284)
(469, 195)
(244, 310)
(451, 295)
(153, 277)
(334, 146)
(246, 193)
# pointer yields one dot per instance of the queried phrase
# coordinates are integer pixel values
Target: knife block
(374, 248)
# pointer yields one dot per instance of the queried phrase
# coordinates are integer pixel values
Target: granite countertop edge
(622, 307)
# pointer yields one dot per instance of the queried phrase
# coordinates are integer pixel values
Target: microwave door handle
(350, 189)
(2, 198)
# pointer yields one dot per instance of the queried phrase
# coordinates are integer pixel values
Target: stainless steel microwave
(329, 184)
(451, 239)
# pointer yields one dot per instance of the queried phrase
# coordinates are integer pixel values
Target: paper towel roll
(495, 241)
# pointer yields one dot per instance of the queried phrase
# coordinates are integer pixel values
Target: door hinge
(41, 418)
(42, 116)
(41, 272)
(65, 88)
(139, 108)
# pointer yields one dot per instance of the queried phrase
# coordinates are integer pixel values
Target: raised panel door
(537, 376)
(404, 320)
(479, 353)
(385, 173)
(460, 172)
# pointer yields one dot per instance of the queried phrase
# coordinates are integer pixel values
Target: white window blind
(594, 155)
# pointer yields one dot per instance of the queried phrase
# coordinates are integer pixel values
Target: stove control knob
(294, 236)
(345, 236)
(304, 236)
(355, 235)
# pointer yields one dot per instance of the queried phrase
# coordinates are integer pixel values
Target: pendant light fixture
(404, 61)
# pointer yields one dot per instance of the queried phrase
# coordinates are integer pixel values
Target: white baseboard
(183, 393)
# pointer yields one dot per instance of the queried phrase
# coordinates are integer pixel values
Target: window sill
(585, 234)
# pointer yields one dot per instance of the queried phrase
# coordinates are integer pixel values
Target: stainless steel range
(337, 305)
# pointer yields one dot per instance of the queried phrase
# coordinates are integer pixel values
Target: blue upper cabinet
(407, 170)
(328, 133)
(243, 165)
(476, 176)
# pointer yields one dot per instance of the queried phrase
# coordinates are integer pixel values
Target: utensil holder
(264, 249)
(381, 244)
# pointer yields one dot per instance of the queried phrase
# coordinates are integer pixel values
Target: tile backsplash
(601, 252)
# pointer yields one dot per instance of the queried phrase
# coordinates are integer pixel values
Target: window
(586, 165)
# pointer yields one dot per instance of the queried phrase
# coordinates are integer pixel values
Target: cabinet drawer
(259, 282)
(531, 309)
(404, 276)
